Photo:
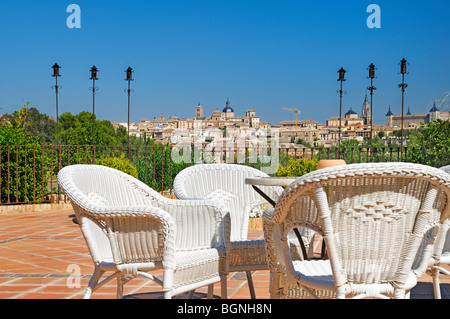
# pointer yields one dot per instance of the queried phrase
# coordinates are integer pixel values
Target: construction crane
(296, 113)
(442, 102)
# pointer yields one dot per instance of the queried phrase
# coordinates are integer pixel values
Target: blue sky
(261, 54)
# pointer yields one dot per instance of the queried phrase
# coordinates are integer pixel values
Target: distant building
(160, 129)
(304, 123)
(228, 111)
(350, 118)
(199, 112)
(366, 113)
(414, 120)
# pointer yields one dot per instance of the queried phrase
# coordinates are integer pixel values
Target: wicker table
(268, 181)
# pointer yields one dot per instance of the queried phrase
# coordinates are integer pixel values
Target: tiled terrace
(38, 249)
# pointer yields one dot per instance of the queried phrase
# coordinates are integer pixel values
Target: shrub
(119, 163)
(432, 144)
(157, 169)
(24, 167)
(297, 168)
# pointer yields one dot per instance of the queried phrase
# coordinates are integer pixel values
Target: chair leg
(168, 294)
(223, 286)
(250, 284)
(275, 284)
(120, 282)
(436, 283)
(211, 291)
(93, 283)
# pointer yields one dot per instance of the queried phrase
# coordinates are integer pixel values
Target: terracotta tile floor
(39, 252)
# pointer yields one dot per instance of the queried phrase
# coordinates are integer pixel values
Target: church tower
(389, 118)
(199, 111)
(365, 113)
(434, 113)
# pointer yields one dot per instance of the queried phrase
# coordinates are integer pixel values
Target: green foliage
(432, 144)
(34, 123)
(120, 163)
(21, 117)
(297, 168)
(77, 130)
(24, 166)
(156, 168)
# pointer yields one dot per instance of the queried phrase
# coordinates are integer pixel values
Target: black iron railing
(28, 172)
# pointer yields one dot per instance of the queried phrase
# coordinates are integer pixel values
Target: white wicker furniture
(441, 254)
(130, 229)
(226, 183)
(445, 168)
(373, 218)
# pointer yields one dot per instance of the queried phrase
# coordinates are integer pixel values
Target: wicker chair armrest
(199, 223)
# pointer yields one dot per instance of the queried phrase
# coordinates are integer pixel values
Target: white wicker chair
(373, 218)
(226, 183)
(441, 254)
(130, 229)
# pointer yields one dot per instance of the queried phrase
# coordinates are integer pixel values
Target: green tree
(31, 121)
(432, 144)
(77, 130)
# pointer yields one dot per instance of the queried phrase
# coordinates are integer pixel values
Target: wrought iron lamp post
(56, 74)
(341, 79)
(93, 77)
(371, 88)
(129, 78)
(403, 86)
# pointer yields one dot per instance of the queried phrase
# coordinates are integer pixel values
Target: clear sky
(261, 54)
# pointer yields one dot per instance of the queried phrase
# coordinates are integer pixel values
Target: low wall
(33, 207)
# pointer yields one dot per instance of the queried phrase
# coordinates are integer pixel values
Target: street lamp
(403, 86)
(56, 74)
(129, 78)
(341, 79)
(371, 88)
(93, 77)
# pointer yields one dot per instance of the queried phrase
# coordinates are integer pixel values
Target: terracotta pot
(255, 223)
(330, 163)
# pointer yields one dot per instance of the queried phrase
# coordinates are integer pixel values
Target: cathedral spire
(366, 114)
(389, 113)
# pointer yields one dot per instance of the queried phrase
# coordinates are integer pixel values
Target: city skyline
(262, 55)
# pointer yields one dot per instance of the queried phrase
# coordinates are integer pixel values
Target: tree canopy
(432, 144)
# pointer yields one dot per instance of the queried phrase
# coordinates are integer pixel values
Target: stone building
(414, 120)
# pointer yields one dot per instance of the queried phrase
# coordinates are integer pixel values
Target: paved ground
(41, 251)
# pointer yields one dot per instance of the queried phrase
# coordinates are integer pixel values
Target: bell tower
(199, 111)
(365, 113)
(389, 118)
